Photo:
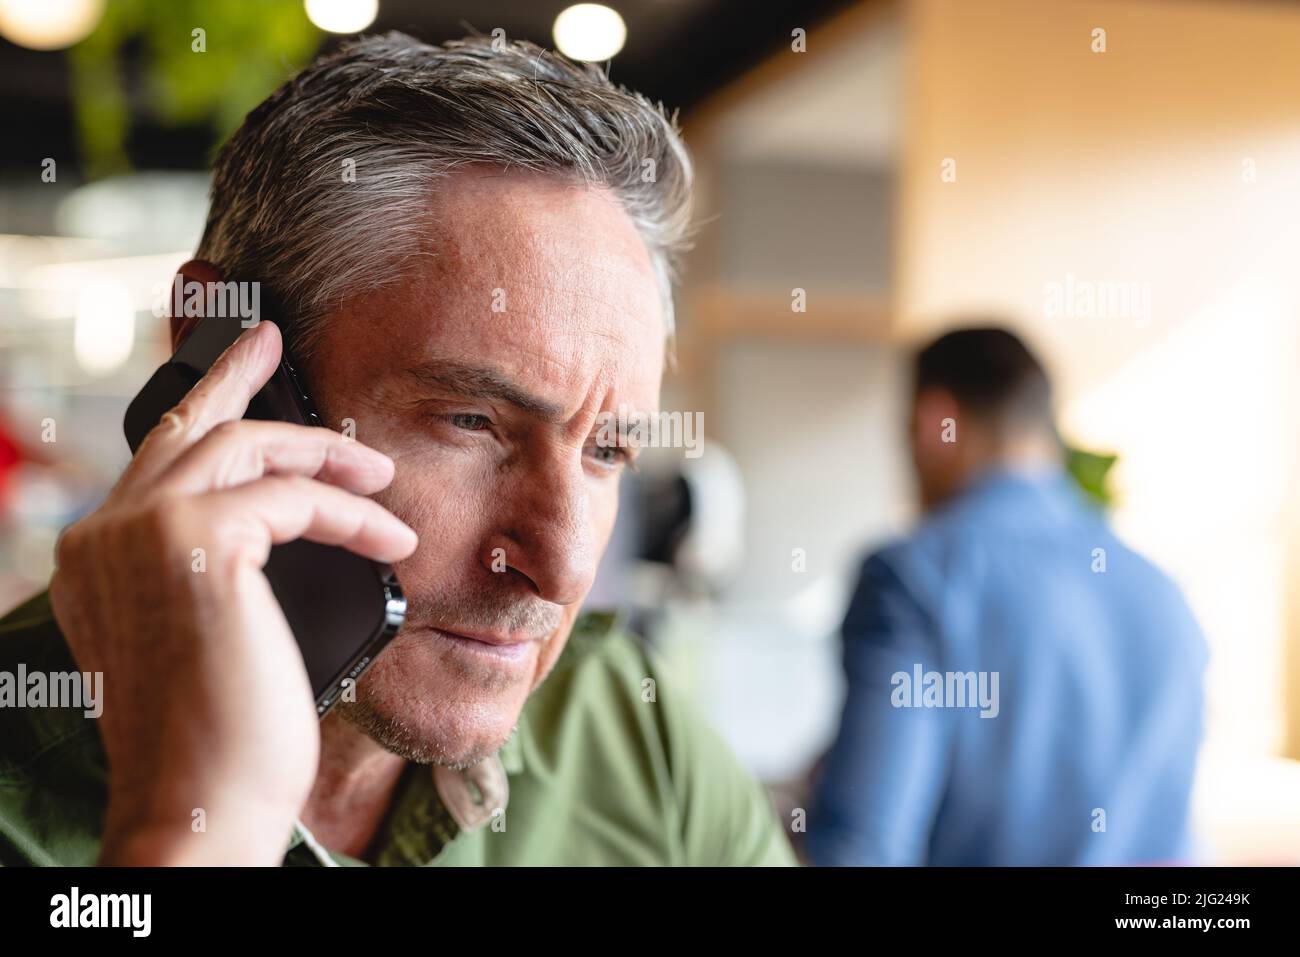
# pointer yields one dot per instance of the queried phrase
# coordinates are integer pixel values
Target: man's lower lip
(513, 652)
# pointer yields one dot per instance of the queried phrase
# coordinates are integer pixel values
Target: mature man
(471, 249)
(1022, 688)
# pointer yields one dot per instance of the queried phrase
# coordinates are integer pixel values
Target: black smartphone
(343, 608)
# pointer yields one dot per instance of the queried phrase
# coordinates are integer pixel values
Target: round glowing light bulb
(589, 31)
(342, 16)
(48, 24)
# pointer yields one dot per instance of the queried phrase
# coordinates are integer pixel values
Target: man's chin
(423, 739)
(421, 702)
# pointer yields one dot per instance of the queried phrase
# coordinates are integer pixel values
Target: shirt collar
(512, 752)
(416, 814)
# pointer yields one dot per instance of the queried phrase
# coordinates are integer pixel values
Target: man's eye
(611, 455)
(470, 421)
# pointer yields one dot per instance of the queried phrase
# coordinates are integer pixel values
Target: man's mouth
(504, 647)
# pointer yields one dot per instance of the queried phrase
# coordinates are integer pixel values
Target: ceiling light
(342, 16)
(589, 31)
(48, 24)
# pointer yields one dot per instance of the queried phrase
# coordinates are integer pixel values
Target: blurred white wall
(816, 431)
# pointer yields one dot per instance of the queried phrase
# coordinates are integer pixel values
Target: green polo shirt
(609, 765)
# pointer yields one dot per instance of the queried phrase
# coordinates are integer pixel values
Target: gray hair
(407, 114)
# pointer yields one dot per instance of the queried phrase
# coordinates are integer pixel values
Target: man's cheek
(445, 513)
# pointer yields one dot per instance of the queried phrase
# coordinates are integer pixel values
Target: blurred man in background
(1022, 688)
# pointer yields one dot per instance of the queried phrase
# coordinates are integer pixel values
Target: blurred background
(887, 165)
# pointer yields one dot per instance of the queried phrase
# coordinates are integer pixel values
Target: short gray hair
(406, 114)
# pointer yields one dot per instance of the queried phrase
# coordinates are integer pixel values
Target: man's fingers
(236, 452)
(288, 507)
(220, 396)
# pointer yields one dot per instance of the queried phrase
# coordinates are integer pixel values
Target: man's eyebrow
(481, 382)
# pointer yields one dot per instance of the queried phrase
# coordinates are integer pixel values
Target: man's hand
(207, 703)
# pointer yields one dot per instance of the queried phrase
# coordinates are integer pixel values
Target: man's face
(483, 376)
(933, 442)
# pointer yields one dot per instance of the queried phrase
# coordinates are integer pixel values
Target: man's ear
(196, 270)
(934, 411)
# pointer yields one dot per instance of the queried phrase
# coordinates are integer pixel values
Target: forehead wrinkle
(483, 382)
(488, 383)
(594, 392)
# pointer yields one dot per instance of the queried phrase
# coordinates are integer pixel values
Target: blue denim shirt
(1082, 747)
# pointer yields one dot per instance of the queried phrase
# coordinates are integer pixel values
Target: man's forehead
(550, 329)
(544, 279)
(487, 218)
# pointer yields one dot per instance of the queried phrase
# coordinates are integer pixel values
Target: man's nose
(545, 533)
